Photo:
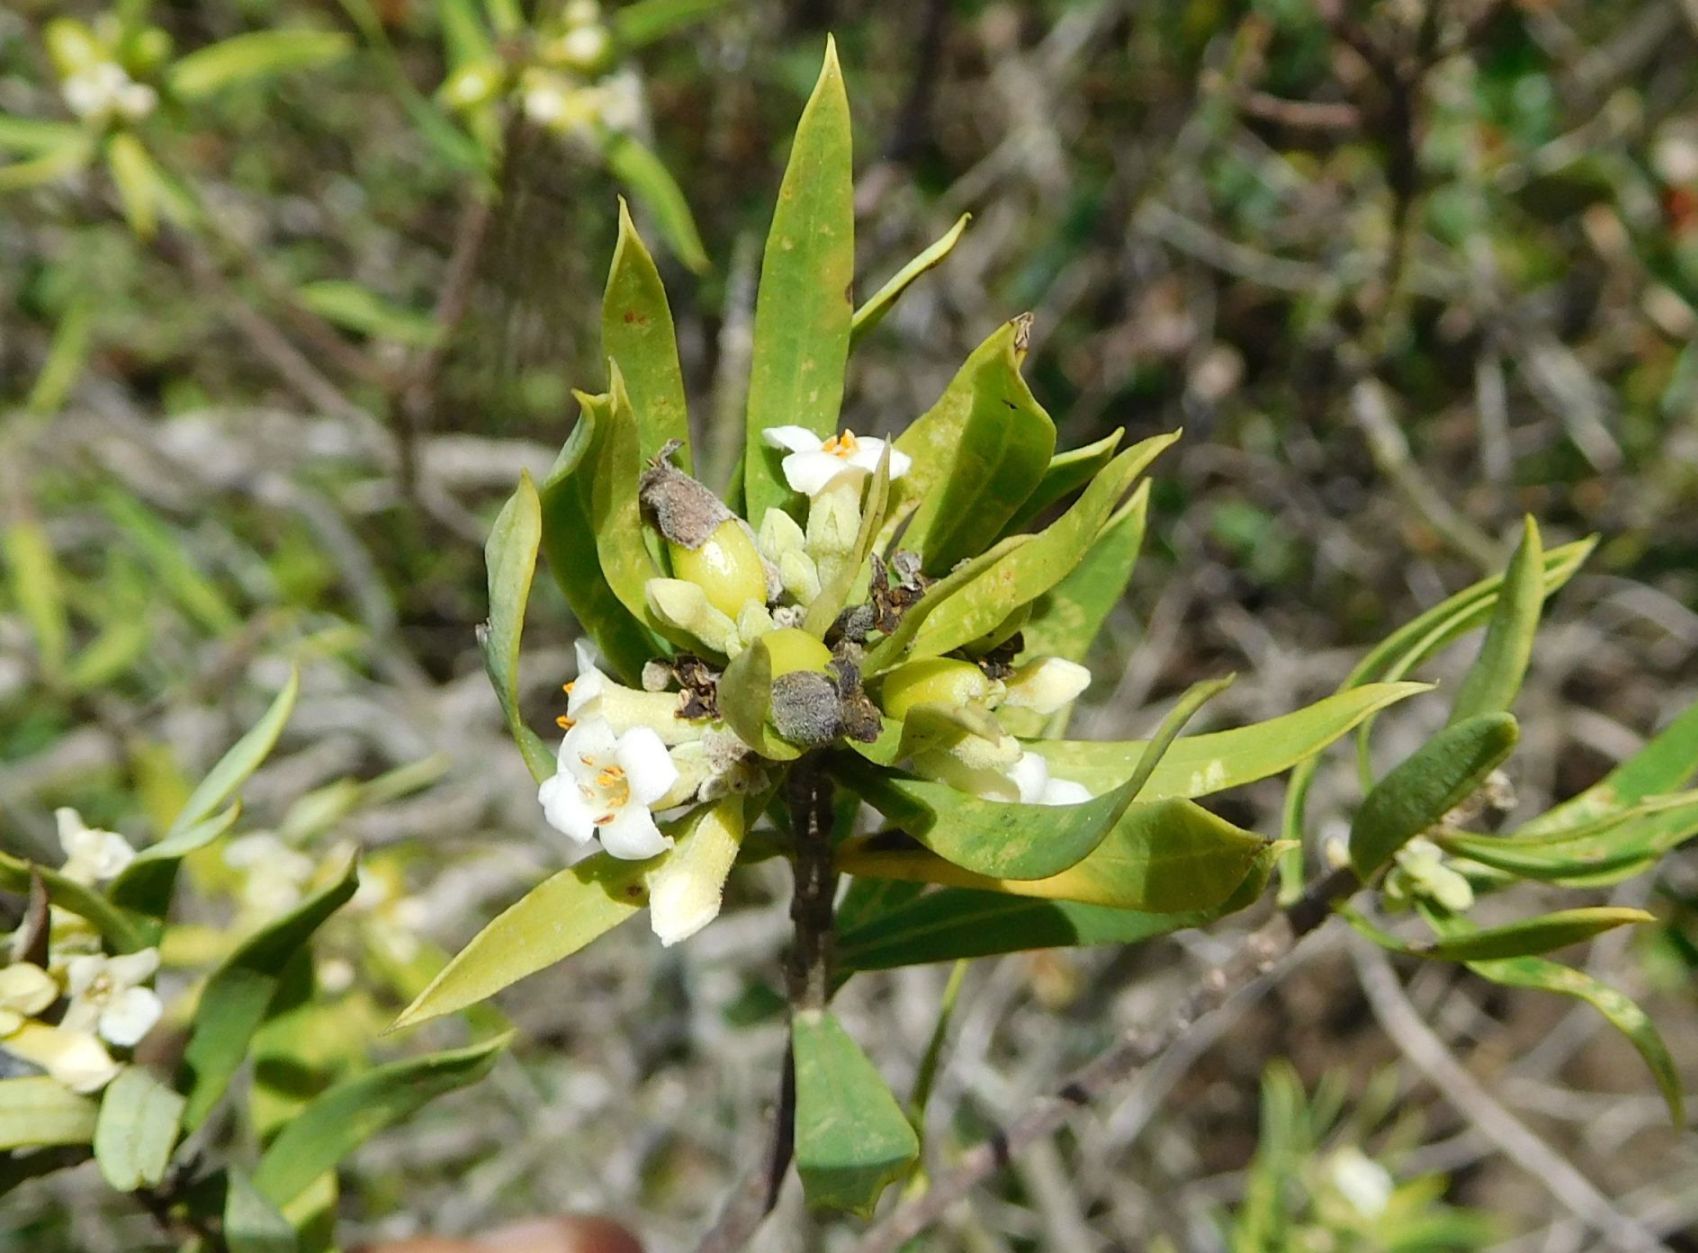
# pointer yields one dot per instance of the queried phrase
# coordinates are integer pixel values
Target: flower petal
(649, 771)
(633, 836)
(1046, 684)
(590, 683)
(812, 472)
(1030, 775)
(594, 739)
(129, 969)
(26, 989)
(564, 807)
(1064, 792)
(130, 1016)
(792, 438)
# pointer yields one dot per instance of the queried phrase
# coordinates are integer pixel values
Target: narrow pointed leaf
(38, 591)
(894, 647)
(804, 304)
(137, 1129)
(1526, 937)
(1426, 786)
(637, 332)
(145, 884)
(1067, 473)
(510, 555)
(852, 1138)
(614, 510)
(1495, 677)
(644, 21)
(260, 54)
(1665, 764)
(243, 758)
(124, 931)
(884, 299)
(648, 179)
(133, 175)
(550, 922)
(1614, 847)
(349, 1113)
(238, 995)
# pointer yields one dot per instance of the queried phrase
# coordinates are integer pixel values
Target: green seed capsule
(934, 681)
(726, 566)
(792, 649)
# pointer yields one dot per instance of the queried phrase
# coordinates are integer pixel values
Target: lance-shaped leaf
(243, 758)
(975, 454)
(30, 135)
(893, 648)
(852, 1138)
(123, 930)
(357, 308)
(1549, 976)
(1066, 473)
(1034, 568)
(137, 1129)
(550, 922)
(36, 1112)
(510, 556)
(1198, 765)
(238, 995)
(1526, 937)
(1495, 677)
(900, 926)
(38, 591)
(652, 183)
(1411, 644)
(884, 299)
(145, 884)
(1166, 857)
(349, 1113)
(569, 529)
(805, 304)
(1617, 846)
(637, 332)
(1426, 786)
(745, 700)
(244, 58)
(644, 21)
(1666, 763)
(620, 542)
(253, 1224)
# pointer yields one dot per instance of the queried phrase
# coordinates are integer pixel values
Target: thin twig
(1254, 957)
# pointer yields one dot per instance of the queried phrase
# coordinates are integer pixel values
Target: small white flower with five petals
(815, 464)
(92, 856)
(109, 999)
(605, 786)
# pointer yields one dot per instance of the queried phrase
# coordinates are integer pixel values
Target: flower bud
(945, 681)
(799, 576)
(683, 605)
(726, 566)
(834, 519)
(1046, 685)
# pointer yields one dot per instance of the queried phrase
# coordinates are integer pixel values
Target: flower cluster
(64, 1003)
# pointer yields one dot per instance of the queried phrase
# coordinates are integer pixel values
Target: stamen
(609, 776)
(567, 687)
(563, 722)
(843, 445)
(604, 820)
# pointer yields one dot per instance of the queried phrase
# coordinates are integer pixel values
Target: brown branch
(1254, 957)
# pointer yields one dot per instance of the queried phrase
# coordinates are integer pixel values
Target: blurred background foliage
(1403, 271)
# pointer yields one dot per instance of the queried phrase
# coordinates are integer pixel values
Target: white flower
(274, 875)
(108, 997)
(25, 990)
(136, 100)
(593, 696)
(91, 855)
(1031, 775)
(606, 783)
(1046, 685)
(1361, 1181)
(73, 1058)
(814, 464)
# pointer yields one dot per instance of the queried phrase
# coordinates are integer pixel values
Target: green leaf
(1666, 763)
(745, 699)
(511, 558)
(464, 38)
(347, 1114)
(1166, 857)
(1032, 569)
(243, 758)
(1067, 473)
(976, 454)
(31, 136)
(615, 513)
(260, 54)
(851, 1136)
(637, 332)
(804, 305)
(550, 922)
(136, 1130)
(36, 1111)
(1617, 846)
(892, 648)
(1526, 937)
(1198, 765)
(653, 185)
(167, 555)
(645, 21)
(361, 310)
(49, 167)
(901, 927)
(1550, 976)
(38, 592)
(1426, 786)
(253, 1224)
(66, 358)
(145, 884)
(122, 930)
(133, 175)
(1496, 675)
(238, 995)
(569, 543)
(884, 299)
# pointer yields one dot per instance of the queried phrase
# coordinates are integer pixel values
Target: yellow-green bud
(726, 566)
(792, 649)
(944, 681)
(683, 605)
